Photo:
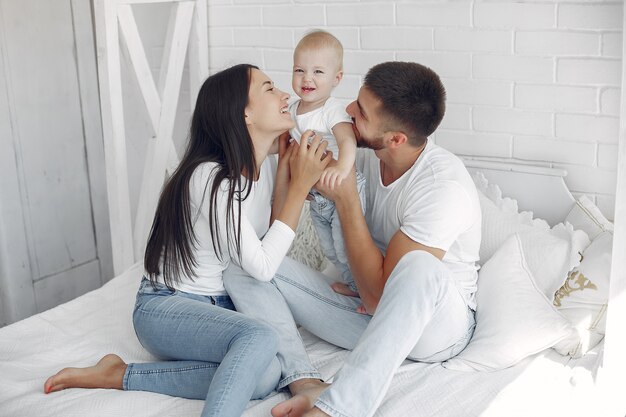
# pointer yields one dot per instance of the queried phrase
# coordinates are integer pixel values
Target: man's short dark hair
(412, 95)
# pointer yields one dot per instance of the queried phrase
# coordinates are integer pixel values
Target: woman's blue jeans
(209, 351)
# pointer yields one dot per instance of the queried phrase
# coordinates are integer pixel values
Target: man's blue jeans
(209, 351)
(422, 315)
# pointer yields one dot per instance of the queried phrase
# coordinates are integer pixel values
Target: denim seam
(328, 409)
(235, 366)
(165, 371)
(178, 315)
(315, 294)
(297, 376)
(126, 377)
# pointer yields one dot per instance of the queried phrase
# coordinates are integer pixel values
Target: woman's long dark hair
(218, 134)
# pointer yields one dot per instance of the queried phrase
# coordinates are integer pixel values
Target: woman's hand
(284, 155)
(308, 160)
(299, 167)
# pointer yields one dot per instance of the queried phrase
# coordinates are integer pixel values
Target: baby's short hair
(319, 39)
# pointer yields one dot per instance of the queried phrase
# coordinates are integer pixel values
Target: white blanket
(78, 333)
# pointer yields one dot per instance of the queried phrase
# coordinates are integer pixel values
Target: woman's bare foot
(305, 393)
(107, 373)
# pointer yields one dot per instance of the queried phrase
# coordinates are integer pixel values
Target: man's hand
(344, 191)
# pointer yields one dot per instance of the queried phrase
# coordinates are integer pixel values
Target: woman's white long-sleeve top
(262, 247)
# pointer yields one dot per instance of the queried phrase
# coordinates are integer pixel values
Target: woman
(212, 211)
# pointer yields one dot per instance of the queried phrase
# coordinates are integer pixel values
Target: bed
(79, 332)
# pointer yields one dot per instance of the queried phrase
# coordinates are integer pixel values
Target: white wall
(529, 80)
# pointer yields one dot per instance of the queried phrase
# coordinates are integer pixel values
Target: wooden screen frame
(115, 22)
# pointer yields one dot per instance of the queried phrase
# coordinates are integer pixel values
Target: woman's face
(266, 112)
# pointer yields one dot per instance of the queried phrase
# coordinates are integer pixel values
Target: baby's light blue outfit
(323, 212)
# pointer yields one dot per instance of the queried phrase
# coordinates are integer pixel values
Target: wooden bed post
(611, 375)
(187, 28)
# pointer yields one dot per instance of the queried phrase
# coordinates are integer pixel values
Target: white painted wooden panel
(111, 104)
(115, 23)
(67, 285)
(49, 126)
(51, 199)
(15, 273)
(92, 124)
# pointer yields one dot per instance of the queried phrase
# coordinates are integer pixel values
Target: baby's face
(315, 73)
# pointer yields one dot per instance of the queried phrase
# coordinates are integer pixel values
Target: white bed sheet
(81, 331)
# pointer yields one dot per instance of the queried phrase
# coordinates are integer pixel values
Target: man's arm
(369, 267)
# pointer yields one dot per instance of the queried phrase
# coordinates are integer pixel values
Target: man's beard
(374, 144)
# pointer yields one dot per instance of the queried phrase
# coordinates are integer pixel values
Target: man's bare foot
(305, 393)
(343, 289)
(107, 373)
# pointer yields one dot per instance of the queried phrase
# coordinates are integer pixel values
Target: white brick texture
(612, 45)
(307, 15)
(228, 16)
(590, 16)
(425, 13)
(445, 64)
(556, 98)
(588, 128)
(475, 144)
(543, 149)
(457, 117)
(494, 93)
(362, 15)
(402, 38)
(453, 39)
(607, 156)
(557, 43)
(532, 80)
(589, 71)
(514, 68)
(507, 15)
(503, 120)
(610, 101)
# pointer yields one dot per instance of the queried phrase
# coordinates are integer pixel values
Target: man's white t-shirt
(434, 203)
(321, 120)
(262, 247)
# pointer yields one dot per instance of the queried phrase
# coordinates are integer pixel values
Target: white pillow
(515, 317)
(584, 296)
(501, 218)
(587, 216)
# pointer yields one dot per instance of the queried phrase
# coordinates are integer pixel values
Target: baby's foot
(343, 289)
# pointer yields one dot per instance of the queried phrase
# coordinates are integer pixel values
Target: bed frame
(81, 331)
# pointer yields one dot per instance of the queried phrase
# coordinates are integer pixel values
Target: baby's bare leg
(107, 373)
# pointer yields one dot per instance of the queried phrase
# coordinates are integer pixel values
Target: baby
(317, 69)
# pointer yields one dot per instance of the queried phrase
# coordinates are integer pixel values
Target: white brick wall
(528, 80)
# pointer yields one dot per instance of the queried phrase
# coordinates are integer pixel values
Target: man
(412, 256)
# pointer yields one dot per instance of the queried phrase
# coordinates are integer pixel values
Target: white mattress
(81, 331)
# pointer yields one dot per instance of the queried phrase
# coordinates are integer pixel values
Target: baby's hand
(333, 176)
